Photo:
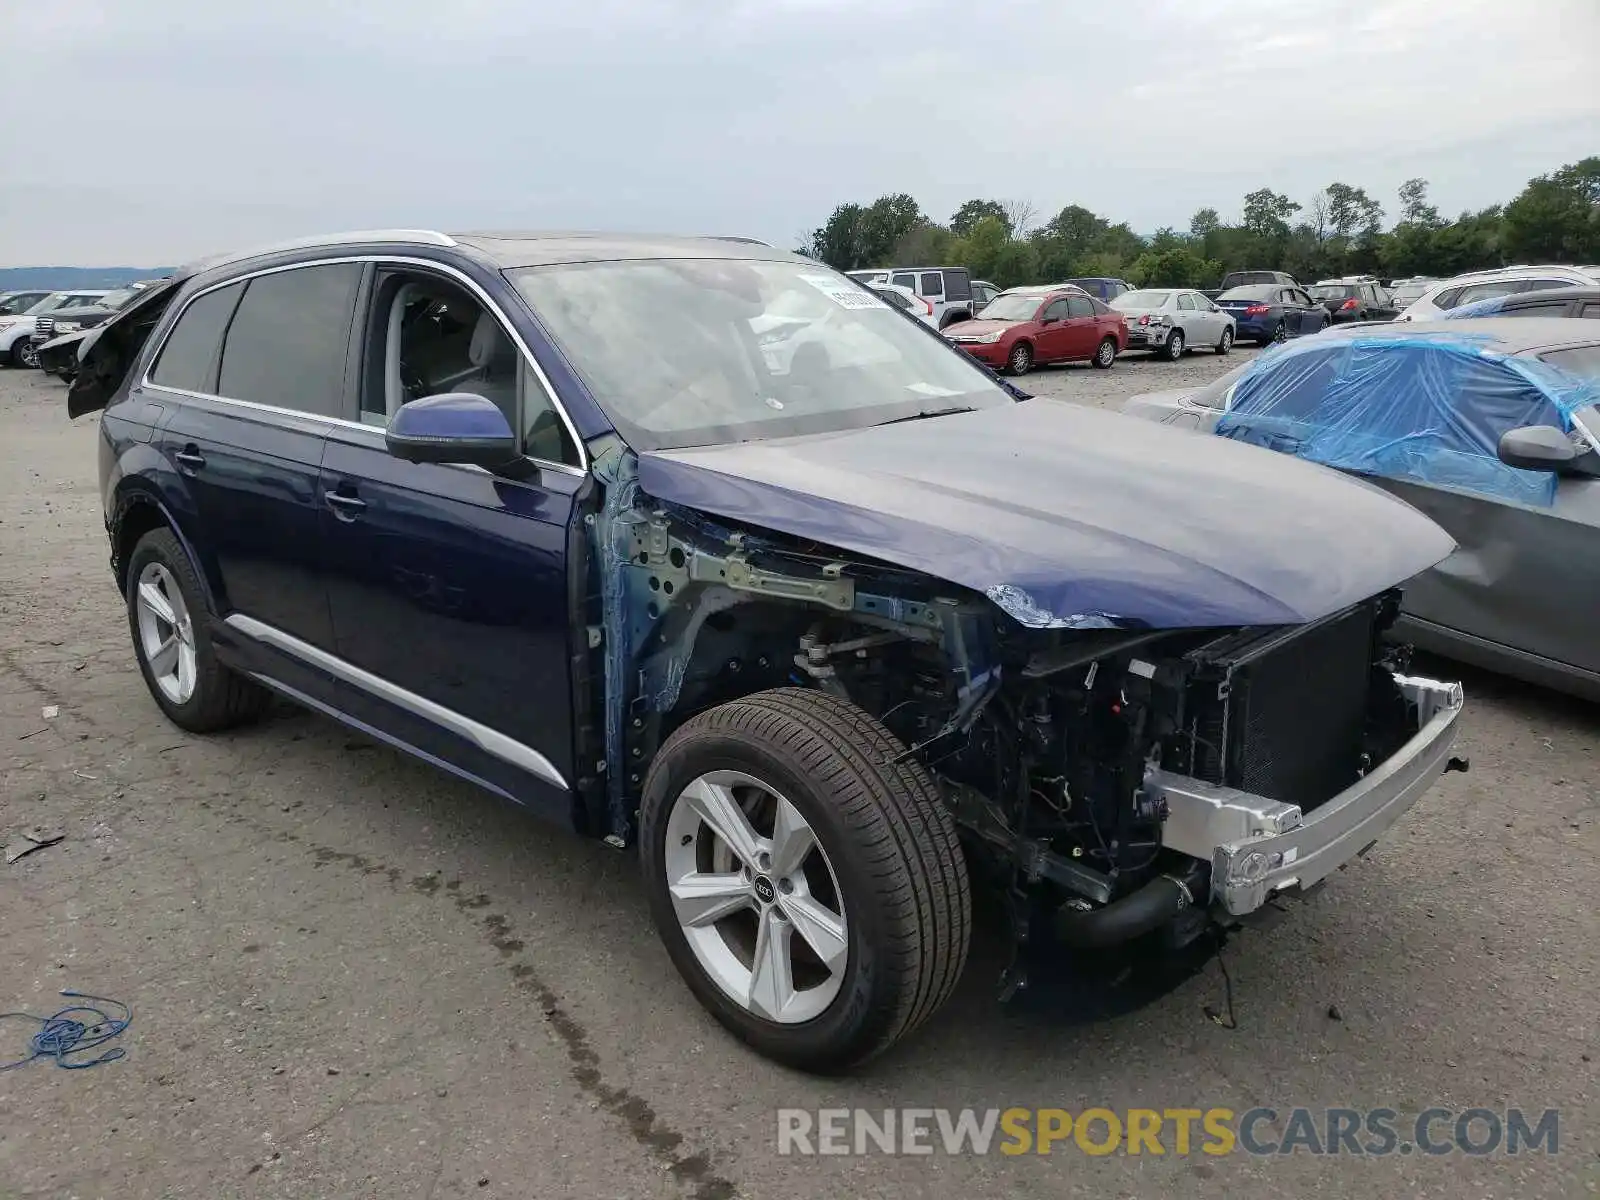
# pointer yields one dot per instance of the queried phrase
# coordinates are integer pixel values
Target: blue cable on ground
(62, 1034)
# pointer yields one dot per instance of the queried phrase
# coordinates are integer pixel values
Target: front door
(251, 374)
(448, 584)
(1055, 336)
(1083, 330)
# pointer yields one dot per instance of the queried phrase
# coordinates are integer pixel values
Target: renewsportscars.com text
(1374, 1132)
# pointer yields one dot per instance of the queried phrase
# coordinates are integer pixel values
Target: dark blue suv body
(695, 545)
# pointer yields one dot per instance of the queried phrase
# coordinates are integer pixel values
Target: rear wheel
(1106, 354)
(808, 887)
(27, 354)
(1225, 344)
(1021, 360)
(1174, 347)
(166, 615)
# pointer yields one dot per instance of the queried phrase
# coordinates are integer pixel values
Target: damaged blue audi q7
(702, 549)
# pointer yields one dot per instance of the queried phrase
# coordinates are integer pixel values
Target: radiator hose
(1136, 914)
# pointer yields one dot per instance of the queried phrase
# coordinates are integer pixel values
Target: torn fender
(1071, 517)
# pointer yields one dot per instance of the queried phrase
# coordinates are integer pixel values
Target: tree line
(1339, 231)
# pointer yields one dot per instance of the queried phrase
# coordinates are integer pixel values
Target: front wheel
(1174, 346)
(809, 888)
(1226, 343)
(1021, 360)
(1106, 354)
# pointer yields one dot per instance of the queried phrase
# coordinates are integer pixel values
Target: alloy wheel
(30, 356)
(1108, 353)
(1281, 333)
(166, 633)
(757, 900)
(1227, 341)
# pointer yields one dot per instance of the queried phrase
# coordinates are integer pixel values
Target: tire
(27, 356)
(885, 856)
(1021, 360)
(1226, 342)
(1105, 354)
(15, 357)
(199, 694)
(1173, 350)
(1281, 333)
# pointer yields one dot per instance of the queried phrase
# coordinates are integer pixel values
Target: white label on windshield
(845, 295)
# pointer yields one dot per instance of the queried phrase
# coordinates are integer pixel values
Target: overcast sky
(147, 133)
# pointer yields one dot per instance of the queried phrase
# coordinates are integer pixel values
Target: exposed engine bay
(1044, 741)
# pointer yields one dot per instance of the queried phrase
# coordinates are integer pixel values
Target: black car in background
(1354, 300)
(61, 334)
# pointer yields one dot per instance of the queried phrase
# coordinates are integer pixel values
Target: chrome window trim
(339, 422)
(486, 739)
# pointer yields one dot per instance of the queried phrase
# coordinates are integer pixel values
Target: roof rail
(422, 237)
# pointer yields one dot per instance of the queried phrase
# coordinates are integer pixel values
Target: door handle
(344, 505)
(189, 459)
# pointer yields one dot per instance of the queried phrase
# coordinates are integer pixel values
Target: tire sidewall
(1011, 359)
(1175, 345)
(160, 546)
(846, 1021)
(1102, 359)
(1226, 344)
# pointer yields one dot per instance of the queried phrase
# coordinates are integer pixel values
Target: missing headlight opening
(1121, 781)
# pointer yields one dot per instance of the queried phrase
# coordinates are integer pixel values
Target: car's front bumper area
(1258, 847)
(993, 354)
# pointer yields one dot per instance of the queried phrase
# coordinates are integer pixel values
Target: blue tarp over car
(1428, 407)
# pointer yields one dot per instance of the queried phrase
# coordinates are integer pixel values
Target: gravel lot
(353, 976)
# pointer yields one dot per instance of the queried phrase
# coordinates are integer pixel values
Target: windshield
(53, 300)
(1141, 299)
(1332, 291)
(1019, 306)
(699, 352)
(1409, 293)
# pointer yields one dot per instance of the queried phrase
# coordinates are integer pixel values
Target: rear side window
(1080, 306)
(188, 360)
(1544, 285)
(957, 285)
(288, 341)
(932, 283)
(1590, 310)
(1484, 291)
(1553, 308)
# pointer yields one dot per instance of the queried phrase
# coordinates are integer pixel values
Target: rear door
(248, 418)
(448, 584)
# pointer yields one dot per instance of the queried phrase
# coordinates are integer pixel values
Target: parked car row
(20, 313)
(1445, 295)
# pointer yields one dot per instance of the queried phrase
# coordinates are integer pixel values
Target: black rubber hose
(1134, 915)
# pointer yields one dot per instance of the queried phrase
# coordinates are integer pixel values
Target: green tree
(1204, 222)
(1557, 216)
(973, 211)
(1414, 206)
(1177, 266)
(1267, 213)
(993, 254)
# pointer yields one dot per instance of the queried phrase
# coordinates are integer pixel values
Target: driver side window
(1056, 310)
(427, 336)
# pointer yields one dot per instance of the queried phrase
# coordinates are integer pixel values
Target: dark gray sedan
(1490, 427)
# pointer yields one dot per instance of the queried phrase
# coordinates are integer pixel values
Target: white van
(952, 291)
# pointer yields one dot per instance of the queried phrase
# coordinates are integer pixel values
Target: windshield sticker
(845, 295)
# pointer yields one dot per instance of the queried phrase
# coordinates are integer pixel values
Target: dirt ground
(354, 977)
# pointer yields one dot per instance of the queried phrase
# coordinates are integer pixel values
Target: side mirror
(1049, 320)
(1537, 448)
(456, 427)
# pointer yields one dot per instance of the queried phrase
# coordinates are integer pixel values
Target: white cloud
(185, 126)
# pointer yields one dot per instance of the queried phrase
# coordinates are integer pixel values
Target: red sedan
(1024, 327)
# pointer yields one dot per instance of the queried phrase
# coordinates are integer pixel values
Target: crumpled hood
(1070, 517)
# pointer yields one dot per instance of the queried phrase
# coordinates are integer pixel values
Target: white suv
(952, 291)
(15, 348)
(1446, 294)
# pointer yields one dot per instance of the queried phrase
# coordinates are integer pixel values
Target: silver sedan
(1173, 320)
